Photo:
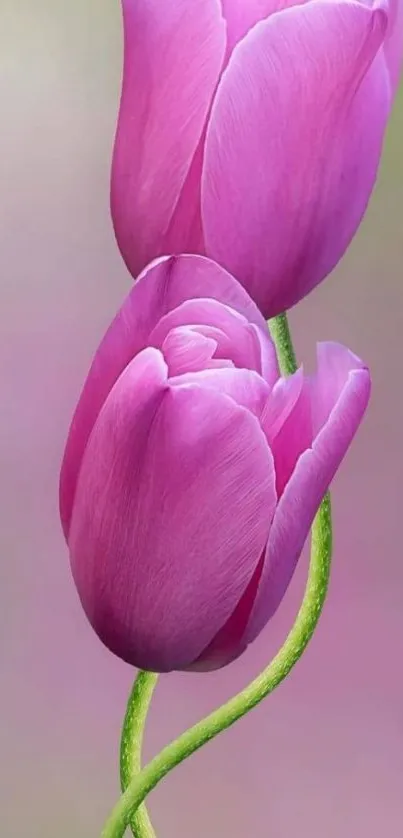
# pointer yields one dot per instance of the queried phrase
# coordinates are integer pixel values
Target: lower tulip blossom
(251, 131)
(193, 470)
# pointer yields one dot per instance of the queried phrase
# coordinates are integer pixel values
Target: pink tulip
(193, 471)
(251, 131)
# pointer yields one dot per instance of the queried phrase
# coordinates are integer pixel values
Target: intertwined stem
(315, 594)
(131, 744)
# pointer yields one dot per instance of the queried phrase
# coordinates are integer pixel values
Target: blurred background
(324, 754)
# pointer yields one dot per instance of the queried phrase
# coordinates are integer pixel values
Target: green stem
(280, 332)
(131, 745)
(297, 640)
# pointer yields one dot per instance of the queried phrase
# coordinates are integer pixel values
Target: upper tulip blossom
(251, 131)
(193, 471)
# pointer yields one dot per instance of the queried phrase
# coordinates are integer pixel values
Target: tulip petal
(165, 284)
(241, 16)
(229, 643)
(292, 147)
(171, 515)
(287, 423)
(239, 343)
(334, 364)
(186, 350)
(312, 476)
(245, 387)
(185, 231)
(268, 355)
(282, 401)
(173, 54)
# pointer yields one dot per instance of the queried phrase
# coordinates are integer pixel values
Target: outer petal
(171, 515)
(164, 285)
(173, 53)
(185, 233)
(335, 363)
(242, 15)
(229, 643)
(293, 147)
(312, 476)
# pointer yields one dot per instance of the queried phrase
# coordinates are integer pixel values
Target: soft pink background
(324, 755)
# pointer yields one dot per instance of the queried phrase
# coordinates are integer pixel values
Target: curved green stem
(271, 677)
(131, 744)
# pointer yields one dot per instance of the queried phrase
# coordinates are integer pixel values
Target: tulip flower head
(193, 470)
(251, 131)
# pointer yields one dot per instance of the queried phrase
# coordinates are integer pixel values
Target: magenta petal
(245, 387)
(229, 643)
(173, 53)
(292, 147)
(287, 423)
(305, 490)
(165, 284)
(334, 363)
(239, 342)
(283, 398)
(269, 364)
(171, 515)
(185, 232)
(221, 345)
(186, 350)
(242, 15)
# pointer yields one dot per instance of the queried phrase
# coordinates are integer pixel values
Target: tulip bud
(193, 471)
(250, 131)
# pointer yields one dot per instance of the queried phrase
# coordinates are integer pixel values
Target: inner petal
(287, 424)
(186, 350)
(222, 341)
(245, 387)
(236, 338)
